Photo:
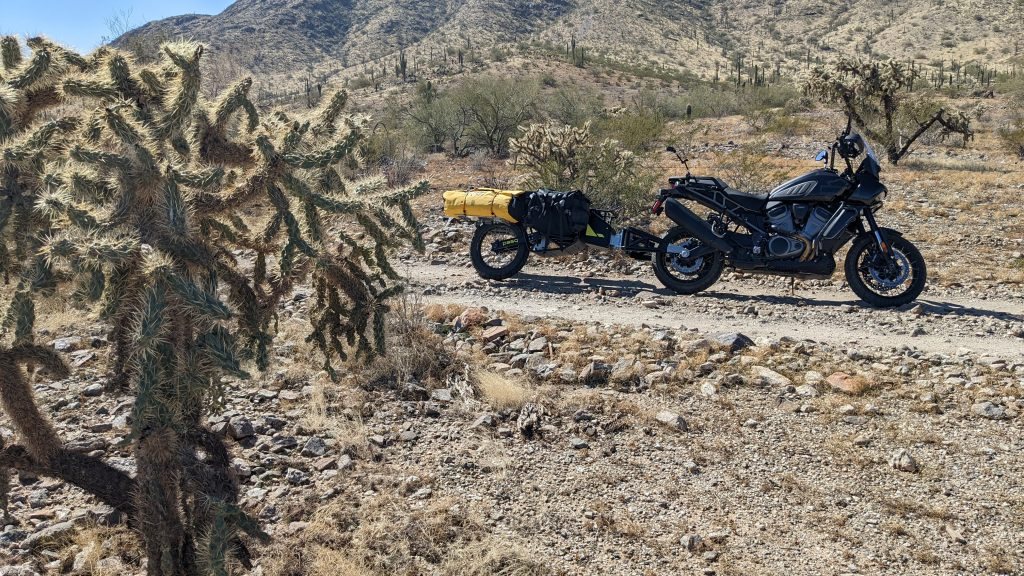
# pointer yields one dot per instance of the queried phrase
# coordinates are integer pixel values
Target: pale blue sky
(82, 24)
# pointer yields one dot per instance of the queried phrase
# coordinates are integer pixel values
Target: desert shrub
(564, 157)
(438, 121)
(391, 153)
(711, 101)
(636, 127)
(1012, 138)
(496, 54)
(360, 82)
(687, 136)
(391, 148)
(787, 125)
(495, 107)
(798, 104)
(403, 165)
(773, 96)
(675, 107)
(130, 195)
(573, 105)
(416, 353)
(635, 131)
(759, 118)
(749, 169)
(762, 106)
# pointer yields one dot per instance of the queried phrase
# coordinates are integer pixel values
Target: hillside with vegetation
(706, 39)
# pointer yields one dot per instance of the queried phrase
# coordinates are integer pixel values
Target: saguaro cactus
(127, 197)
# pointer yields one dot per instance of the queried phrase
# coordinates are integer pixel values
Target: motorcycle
(795, 230)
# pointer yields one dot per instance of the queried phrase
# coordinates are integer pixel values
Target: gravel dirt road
(941, 321)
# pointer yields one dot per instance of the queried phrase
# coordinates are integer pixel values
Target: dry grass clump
(106, 551)
(750, 168)
(999, 560)
(388, 535)
(59, 316)
(618, 521)
(415, 353)
(441, 312)
(501, 392)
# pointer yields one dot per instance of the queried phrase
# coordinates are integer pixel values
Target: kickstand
(792, 286)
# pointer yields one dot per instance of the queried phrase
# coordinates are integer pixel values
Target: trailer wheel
(499, 250)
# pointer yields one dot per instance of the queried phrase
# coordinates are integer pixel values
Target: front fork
(880, 238)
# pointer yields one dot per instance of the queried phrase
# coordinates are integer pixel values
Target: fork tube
(882, 244)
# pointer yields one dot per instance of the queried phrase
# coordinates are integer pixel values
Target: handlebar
(682, 160)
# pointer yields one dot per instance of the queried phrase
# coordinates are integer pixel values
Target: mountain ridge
(273, 37)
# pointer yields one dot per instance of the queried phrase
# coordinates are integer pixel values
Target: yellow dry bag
(481, 203)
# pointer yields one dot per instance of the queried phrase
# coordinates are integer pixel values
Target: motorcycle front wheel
(499, 250)
(883, 282)
(685, 275)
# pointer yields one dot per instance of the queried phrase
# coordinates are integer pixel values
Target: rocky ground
(587, 422)
(579, 419)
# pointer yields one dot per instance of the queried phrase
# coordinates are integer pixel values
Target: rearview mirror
(671, 149)
(822, 156)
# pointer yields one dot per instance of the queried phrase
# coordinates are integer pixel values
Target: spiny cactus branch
(133, 201)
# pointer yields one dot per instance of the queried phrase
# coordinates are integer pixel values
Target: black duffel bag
(561, 216)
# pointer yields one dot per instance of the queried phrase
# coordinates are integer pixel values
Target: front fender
(886, 232)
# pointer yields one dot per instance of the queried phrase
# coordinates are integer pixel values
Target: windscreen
(869, 150)
(870, 163)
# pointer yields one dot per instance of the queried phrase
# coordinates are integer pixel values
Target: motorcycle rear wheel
(683, 275)
(498, 264)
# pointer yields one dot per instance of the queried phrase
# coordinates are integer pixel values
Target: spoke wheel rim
(881, 279)
(498, 259)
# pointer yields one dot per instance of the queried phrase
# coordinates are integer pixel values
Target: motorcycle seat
(751, 202)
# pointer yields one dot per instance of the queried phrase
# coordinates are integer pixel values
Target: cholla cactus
(566, 157)
(129, 195)
(875, 96)
(557, 153)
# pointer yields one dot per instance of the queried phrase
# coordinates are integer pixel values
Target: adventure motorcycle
(795, 230)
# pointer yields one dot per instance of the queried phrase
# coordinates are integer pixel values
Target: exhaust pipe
(693, 224)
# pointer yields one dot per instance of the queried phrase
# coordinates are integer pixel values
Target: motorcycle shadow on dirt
(577, 285)
(569, 285)
(930, 307)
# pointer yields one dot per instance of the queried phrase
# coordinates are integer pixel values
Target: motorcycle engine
(789, 240)
(782, 247)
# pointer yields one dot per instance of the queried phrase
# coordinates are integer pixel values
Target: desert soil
(588, 422)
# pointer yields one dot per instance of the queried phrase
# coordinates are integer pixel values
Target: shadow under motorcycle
(821, 268)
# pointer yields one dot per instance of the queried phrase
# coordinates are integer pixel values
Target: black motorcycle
(795, 230)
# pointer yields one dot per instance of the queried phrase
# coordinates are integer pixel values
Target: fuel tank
(821, 185)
